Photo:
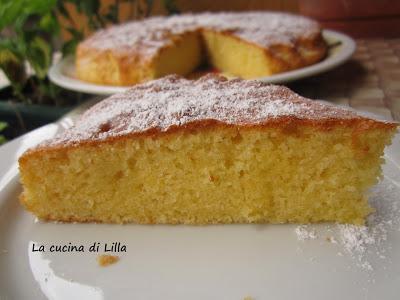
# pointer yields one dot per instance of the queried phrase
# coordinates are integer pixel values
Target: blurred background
(36, 33)
(359, 18)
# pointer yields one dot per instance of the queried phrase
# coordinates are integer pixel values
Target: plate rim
(348, 46)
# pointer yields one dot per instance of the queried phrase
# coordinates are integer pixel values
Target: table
(370, 81)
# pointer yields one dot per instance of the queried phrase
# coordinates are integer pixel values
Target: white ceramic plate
(63, 73)
(187, 262)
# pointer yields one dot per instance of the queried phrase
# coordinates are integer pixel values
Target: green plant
(30, 31)
(3, 125)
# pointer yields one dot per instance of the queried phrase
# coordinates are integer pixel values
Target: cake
(246, 45)
(175, 151)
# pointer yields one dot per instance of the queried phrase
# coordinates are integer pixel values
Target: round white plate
(195, 262)
(63, 72)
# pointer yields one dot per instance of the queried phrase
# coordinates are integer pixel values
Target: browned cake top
(174, 102)
(149, 35)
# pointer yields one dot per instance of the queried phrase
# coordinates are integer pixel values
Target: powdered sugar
(355, 240)
(173, 101)
(364, 244)
(303, 233)
(363, 241)
(148, 36)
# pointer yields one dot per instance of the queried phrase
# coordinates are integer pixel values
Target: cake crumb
(248, 298)
(105, 260)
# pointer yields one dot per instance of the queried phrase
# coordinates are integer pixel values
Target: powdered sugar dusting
(364, 244)
(175, 102)
(303, 233)
(355, 240)
(150, 35)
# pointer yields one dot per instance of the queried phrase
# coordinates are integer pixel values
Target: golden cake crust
(125, 54)
(172, 103)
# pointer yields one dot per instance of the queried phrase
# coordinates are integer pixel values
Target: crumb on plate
(105, 260)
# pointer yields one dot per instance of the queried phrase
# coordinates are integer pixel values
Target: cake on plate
(246, 45)
(174, 151)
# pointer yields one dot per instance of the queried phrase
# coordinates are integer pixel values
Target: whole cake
(207, 151)
(246, 45)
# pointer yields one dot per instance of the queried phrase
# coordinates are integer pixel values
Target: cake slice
(207, 151)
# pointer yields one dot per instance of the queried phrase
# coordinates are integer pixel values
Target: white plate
(63, 72)
(187, 262)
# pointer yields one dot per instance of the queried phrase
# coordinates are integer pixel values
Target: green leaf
(112, 14)
(62, 9)
(38, 6)
(9, 11)
(3, 125)
(171, 7)
(89, 7)
(69, 47)
(13, 10)
(39, 55)
(13, 67)
(49, 23)
(77, 34)
(11, 45)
